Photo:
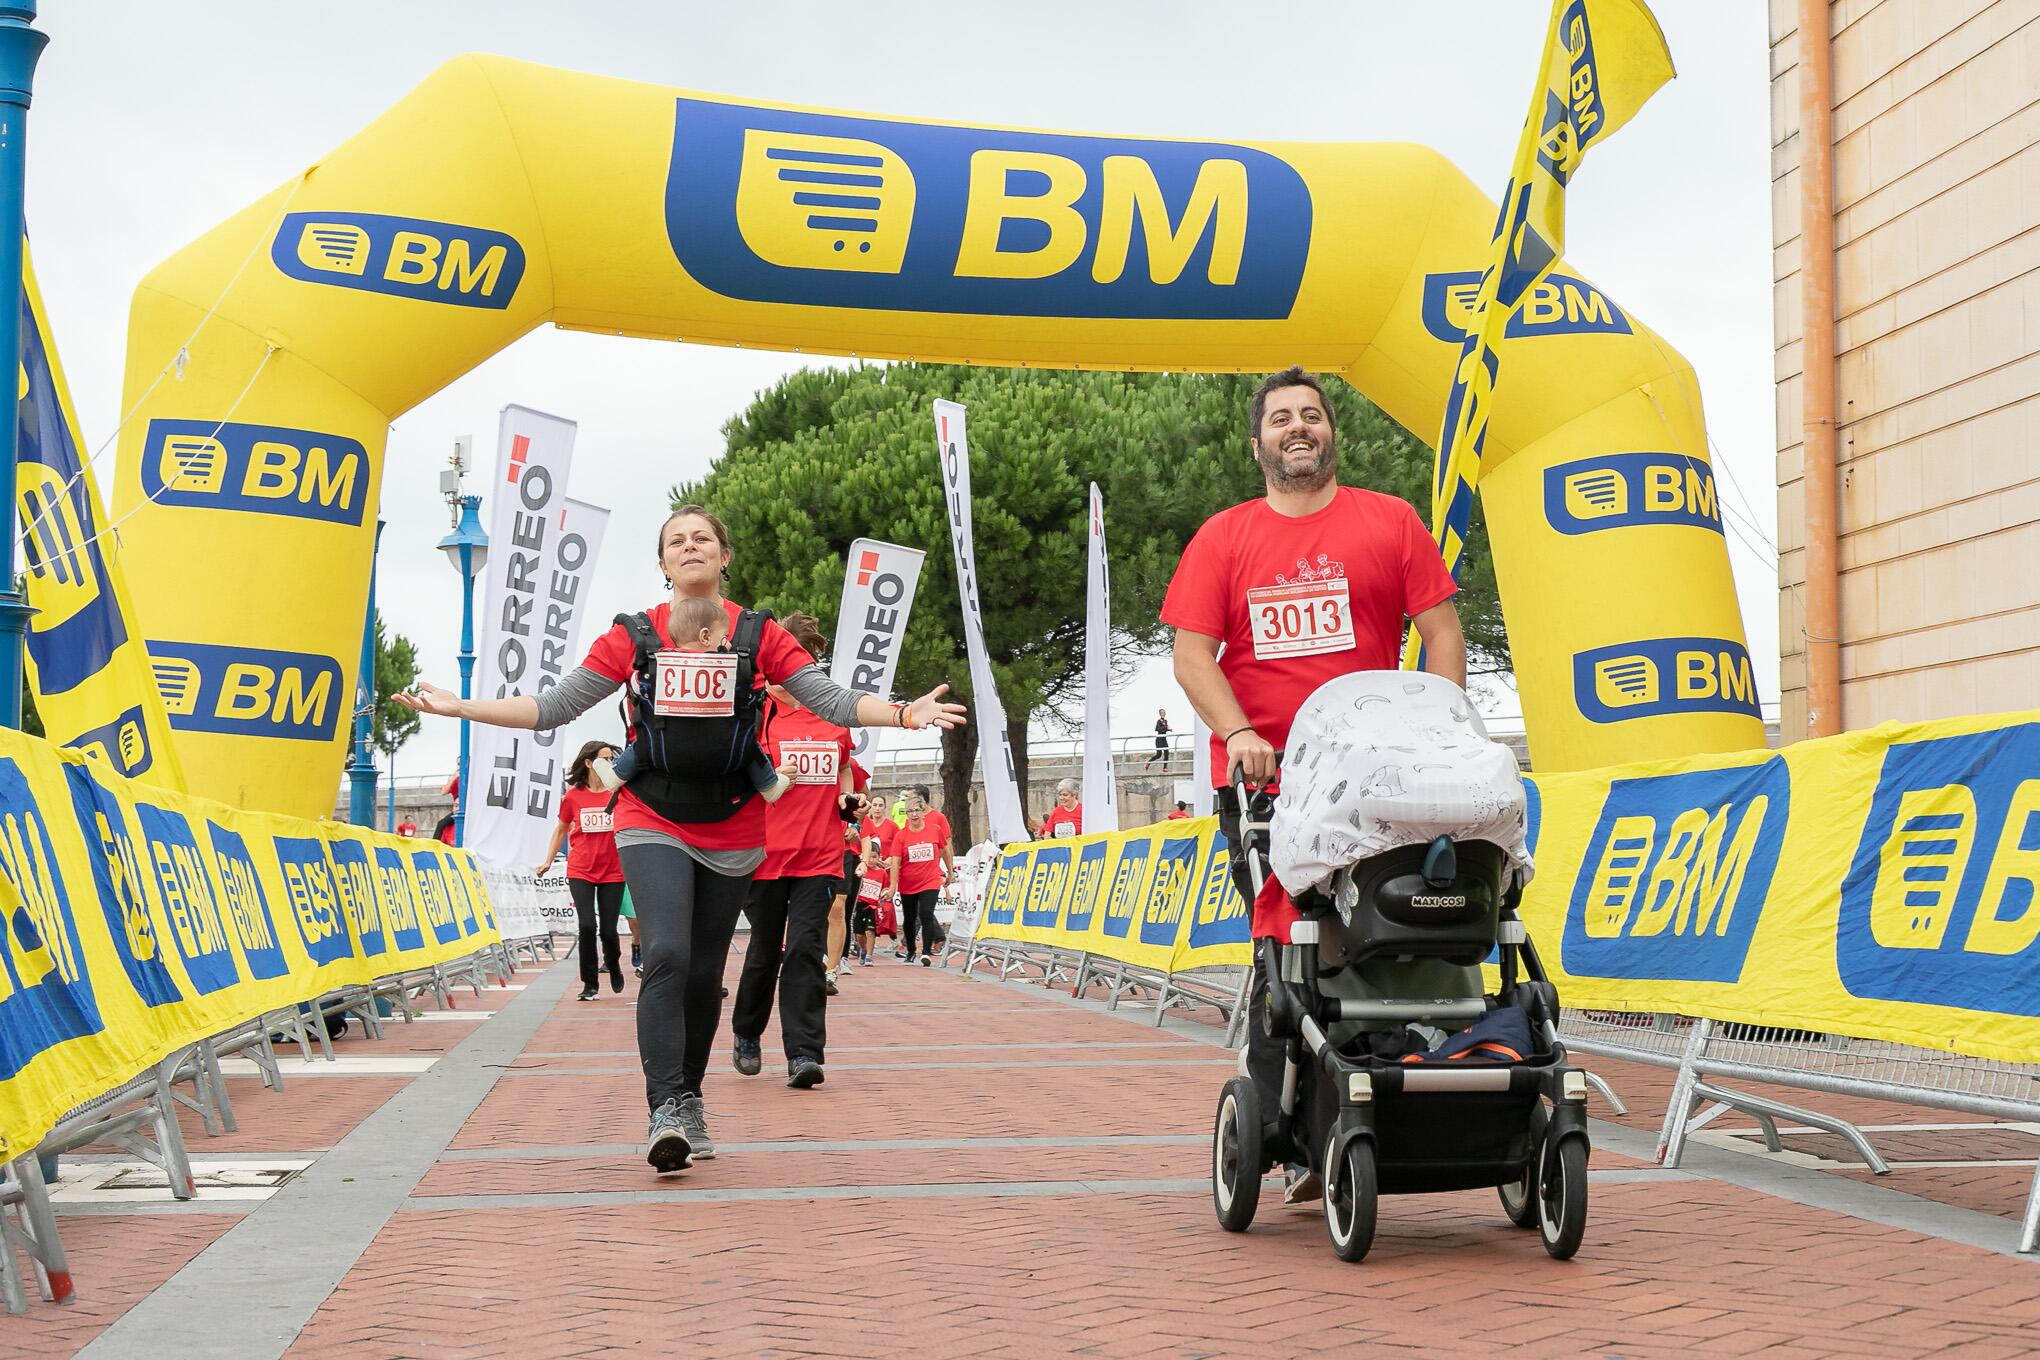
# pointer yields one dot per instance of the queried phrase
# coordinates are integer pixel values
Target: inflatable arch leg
(499, 195)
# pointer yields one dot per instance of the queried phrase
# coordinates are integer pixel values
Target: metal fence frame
(1701, 1051)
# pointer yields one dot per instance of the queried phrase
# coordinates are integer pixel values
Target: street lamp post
(20, 46)
(468, 548)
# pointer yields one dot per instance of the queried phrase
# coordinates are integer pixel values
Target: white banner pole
(988, 715)
(1101, 789)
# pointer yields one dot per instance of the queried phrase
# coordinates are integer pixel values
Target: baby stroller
(1370, 1121)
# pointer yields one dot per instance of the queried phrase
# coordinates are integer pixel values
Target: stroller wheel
(1237, 1157)
(1351, 1197)
(1519, 1197)
(1562, 1197)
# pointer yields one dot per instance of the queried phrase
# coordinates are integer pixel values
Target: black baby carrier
(691, 769)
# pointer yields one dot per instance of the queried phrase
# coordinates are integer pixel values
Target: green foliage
(396, 669)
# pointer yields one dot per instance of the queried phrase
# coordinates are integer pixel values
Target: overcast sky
(152, 123)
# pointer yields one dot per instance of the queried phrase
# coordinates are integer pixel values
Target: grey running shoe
(747, 1056)
(694, 1123)
(829, 982)
(1301, 1185)
(802, 1073)
(668, 1146)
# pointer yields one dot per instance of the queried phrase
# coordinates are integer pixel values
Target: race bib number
(695, 685)
(921, 852)
(814, 762)
(870, 890)
(1300, 619)
(594, 819)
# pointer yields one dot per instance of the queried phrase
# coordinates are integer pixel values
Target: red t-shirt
(872, 884)
(1061, 823)
(919, 852)
(857, 834)
(1176, 816)
(1299, 601)
(779, 656)
(800, 829)
(591, 844)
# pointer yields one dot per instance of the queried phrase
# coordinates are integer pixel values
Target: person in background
(1182, 811)
(1161, 737)
(874, 891)
(919, 857)
(594, 873)
(1066, 818)
(407, 827)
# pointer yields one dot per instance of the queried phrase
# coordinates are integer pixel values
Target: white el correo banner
(1101, 790)
(542, 551)
(988, 715)
(879, 580)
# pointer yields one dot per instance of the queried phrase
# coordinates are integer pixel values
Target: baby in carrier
(699, 625)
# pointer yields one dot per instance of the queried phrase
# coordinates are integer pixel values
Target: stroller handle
(1256, 820)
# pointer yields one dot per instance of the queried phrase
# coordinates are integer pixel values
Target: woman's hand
(930, 711)
(430, 699)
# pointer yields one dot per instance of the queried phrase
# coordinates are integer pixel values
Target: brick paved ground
(995, 1170)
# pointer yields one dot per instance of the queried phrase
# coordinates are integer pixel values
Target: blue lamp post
(20, 46)
(468, 547)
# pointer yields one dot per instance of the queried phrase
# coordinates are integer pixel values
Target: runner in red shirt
(1182, 811)
(594, 874)
(853, 854)
(1066, 818)
(919, 857)
(874, 891)
(790, 894)
(1278, 595)
(687, 881)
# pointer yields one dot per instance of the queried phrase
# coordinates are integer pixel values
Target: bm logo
(1002, 900)
(772, 205)
(45, 991)
(1559, 304)
(1942, 903)
(1675, 875)
(1047, 884)
(248, 692)
(259, 469)
(1620, 490)
(1664, 675)
(405, 257)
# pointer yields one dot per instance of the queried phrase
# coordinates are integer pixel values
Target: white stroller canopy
(1380, 759)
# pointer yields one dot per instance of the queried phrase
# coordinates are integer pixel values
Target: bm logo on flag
(406, 257)
(246, 691)
(1675, 874)
(256, 469)
(1559, 304)
(774, 205)
(1664, 675)
(1942, 902)
(1620, 490)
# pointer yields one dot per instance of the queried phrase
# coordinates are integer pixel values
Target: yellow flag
(86, 660)
(1601, 60)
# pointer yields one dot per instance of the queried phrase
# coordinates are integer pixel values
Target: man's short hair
(1292, 376)
(922, 789)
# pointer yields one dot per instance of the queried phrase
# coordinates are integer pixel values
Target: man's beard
(1280, 478)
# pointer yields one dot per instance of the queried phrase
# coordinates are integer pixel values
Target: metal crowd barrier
(1701, 1052)
(1224, 989)
(144, 1108)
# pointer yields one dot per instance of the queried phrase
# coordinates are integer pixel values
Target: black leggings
(593, 900)
(685, 916)
(917, 916)
(795, 910)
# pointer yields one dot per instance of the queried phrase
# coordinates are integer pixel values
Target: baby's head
(698, 624)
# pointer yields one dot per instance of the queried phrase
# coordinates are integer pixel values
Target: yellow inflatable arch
(500, 195)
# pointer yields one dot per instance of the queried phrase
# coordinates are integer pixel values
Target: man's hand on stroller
(1248, 752)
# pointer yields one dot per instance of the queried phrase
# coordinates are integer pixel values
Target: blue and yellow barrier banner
(499, 196)
(1882, 884)
(135, 920)
(85, 658)
(1156, 896)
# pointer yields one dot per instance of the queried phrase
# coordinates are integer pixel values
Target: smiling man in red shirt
(1278, 595)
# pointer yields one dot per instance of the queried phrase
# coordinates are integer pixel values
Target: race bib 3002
(814, 762)
(695, 685)
(1300, 619)
(921, 852)
(595, 819)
